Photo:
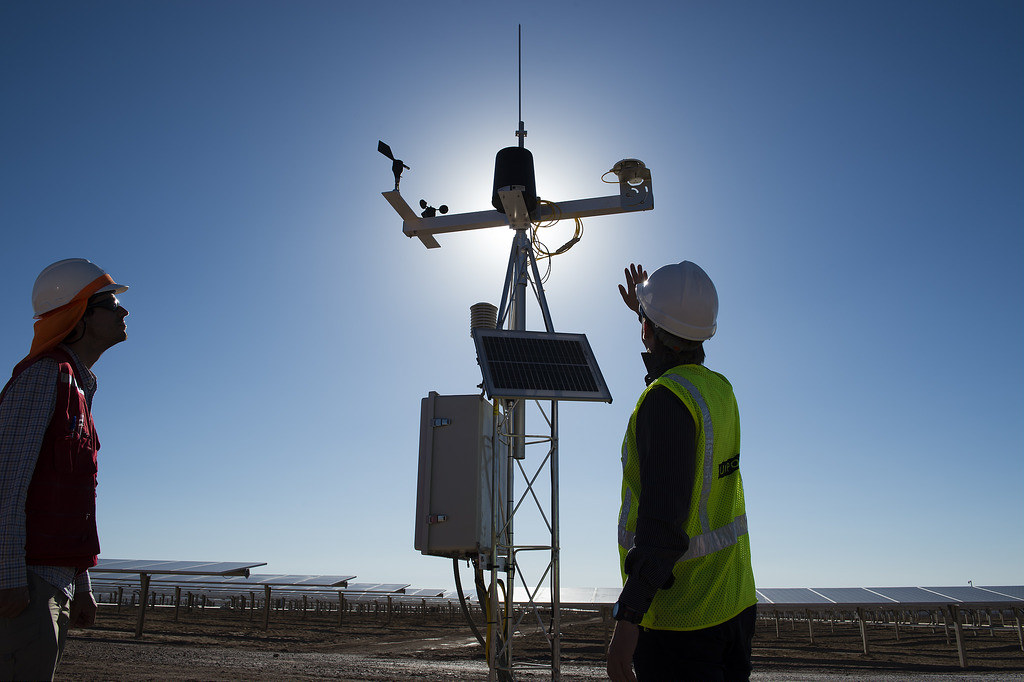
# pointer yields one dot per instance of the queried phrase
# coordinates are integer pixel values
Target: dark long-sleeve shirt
(667, 452)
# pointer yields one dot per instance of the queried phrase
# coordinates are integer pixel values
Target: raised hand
(635, 274)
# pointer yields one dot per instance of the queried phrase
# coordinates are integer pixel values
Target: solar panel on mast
(539, 365)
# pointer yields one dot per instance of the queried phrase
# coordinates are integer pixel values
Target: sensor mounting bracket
(635, 194)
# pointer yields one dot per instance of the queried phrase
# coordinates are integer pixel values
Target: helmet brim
(113, 288)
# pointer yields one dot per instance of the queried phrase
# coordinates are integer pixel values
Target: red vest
(60, 511)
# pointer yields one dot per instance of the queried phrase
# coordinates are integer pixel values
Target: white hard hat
(681, 299)
(59, 283)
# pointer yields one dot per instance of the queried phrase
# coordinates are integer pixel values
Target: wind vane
(396, 164)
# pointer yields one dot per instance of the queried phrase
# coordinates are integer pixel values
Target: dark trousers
(716, 654)
(31, 643)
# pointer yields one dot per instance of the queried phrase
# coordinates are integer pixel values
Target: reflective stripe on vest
(709, 541)
(66, 378)
(625, 536)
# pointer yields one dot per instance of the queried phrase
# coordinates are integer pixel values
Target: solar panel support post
(266, 607)
(143, 594)
(954, 614)
(863, 629)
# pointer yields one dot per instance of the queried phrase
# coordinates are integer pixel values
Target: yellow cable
(487, 639)
(540, 249)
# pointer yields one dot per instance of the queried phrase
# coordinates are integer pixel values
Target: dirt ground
(218, 644)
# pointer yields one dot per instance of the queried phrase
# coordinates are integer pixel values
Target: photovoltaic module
(539, 365)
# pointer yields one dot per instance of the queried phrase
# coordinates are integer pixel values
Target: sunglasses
(109, 303)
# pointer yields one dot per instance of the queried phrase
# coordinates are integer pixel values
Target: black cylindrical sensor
(514, 166)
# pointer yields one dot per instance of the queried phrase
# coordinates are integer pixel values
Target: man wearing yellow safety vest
(687, 606)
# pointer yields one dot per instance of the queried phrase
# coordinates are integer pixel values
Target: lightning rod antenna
(521, 133)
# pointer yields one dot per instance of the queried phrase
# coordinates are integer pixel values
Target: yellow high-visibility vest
(713, 580)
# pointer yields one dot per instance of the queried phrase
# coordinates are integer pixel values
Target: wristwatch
(620, 612)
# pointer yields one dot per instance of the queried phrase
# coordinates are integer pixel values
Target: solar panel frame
(377, 588)
(234, 582)
(1011, 591)
(424, 592)
(301, 580)
(588, 596)
(853, 595)
(908, 595)
(539, 365)
(154, 567)
(791, 595)
(965, 594)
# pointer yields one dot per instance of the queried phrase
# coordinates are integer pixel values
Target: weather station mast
(471, 447)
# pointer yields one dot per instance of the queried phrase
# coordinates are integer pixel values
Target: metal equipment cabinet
(454, 499)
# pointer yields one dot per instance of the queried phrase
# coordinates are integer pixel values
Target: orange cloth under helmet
(54, 326)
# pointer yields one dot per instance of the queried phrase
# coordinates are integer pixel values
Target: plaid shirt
(25, 414)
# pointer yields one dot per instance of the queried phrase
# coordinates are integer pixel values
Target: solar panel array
(301, 580)
(593, 596)
(208, 568)
(296, 584)
(891, 596)
(424, 592)
(381, 588)
(828, 596)
(235, 575)
(1013, 591)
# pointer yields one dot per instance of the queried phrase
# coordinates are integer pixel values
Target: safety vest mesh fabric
(713, 580)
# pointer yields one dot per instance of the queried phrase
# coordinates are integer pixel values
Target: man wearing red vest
(48, 447)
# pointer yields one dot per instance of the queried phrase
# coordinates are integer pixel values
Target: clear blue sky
(851, 175)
